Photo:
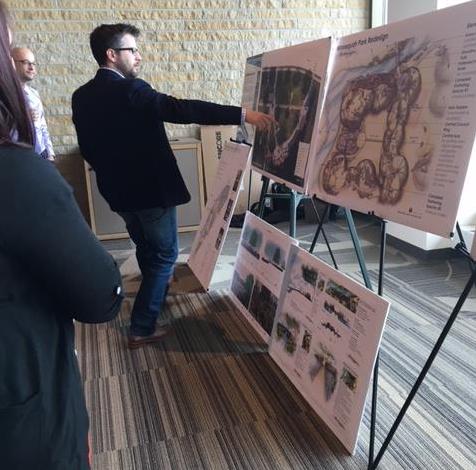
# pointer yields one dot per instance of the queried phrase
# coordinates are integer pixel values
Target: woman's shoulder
(21, 169)
(17, 156)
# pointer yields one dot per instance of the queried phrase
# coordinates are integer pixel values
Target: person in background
(119, 121)
(52, 270)
(26, 69)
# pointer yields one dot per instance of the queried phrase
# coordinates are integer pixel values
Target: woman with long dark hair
(14, 122)
(52, 270)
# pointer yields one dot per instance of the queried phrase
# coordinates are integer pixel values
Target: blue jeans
(154, 231)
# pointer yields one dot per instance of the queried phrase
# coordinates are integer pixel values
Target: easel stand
(294, 200)
(373, 410)
(373, 463)
(353, 234)
(368, 284)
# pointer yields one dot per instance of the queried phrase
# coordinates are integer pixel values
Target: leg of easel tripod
(318, 218)
(357, 248)
(262, 197)
(427, 366)
(294, 201)
(249, 189)
(373, 412)
(319, 227)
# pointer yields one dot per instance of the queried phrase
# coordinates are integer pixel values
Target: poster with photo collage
(259, 271)
(325, 337)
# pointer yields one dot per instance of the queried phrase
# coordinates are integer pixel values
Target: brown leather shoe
(138, 341)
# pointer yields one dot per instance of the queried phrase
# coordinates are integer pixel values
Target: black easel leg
(293, 202)
(329, 249)
(426, 367)
(373, 412)
(460, 235)
(318, 217)
(262, 197)
(358, 249)
(319, 227)
(249, 190)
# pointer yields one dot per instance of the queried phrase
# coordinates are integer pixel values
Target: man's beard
(130, 73)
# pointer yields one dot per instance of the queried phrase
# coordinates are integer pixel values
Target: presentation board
(290, 82)
(325, 337)
(259, 271)
(398, 120)
(215, 222)
(213, 140)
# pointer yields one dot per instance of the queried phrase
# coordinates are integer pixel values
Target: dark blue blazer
(120, 127)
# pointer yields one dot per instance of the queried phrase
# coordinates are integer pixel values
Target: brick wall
(190, 48)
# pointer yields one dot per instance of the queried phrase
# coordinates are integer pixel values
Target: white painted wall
(401, 9)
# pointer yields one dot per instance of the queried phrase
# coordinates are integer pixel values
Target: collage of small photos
(323, 328)
(259, 271)
(326, 335)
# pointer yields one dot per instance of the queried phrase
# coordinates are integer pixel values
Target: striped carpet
(209, 397)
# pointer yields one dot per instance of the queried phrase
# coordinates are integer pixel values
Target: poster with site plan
(221, 202)
(398, 120)
(325, 338)
(259, 271)
(289, 89)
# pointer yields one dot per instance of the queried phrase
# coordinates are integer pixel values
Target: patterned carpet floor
(209, 397)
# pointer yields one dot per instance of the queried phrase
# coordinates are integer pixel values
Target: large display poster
(399, 118)
(221, 202)
(259, 271)
(325, 338)
(291, 80)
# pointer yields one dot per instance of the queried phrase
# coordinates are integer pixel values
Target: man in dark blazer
(119, 121)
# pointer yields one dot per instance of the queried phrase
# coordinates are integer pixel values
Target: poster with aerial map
(290, 85)
(399, 118)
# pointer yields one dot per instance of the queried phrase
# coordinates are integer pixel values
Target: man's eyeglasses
(26, 62)
(133, 50)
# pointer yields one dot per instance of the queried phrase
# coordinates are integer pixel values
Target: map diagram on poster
(221, 202)
(259, 271)
(290, 85)
(399, 118)
(325, 338)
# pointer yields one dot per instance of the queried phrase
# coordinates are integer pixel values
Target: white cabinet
(107, 225)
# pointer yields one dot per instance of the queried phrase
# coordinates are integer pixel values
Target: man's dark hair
(108, 36)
